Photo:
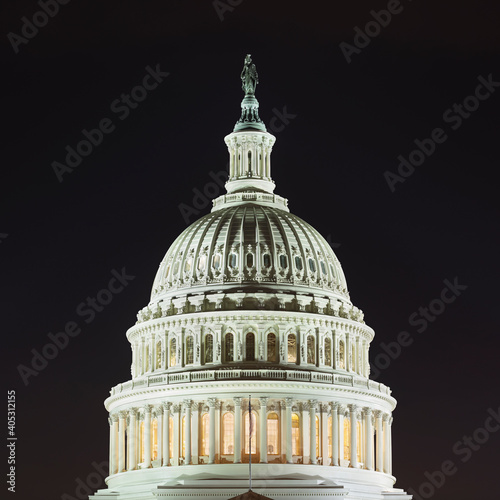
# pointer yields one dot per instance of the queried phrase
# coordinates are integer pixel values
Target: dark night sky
(120, 206)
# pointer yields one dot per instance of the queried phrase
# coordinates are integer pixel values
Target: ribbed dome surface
(249, 244)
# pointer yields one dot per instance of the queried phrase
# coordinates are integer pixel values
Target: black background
(120, 206)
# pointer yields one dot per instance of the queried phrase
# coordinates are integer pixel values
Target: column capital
(385, 417)
(324, 407)
(263, 401)
(110, 421)
(237, 401)
(212, 402)
(377, 413)
(148, 408)
(176, 408)
(114, 417)
(367, 411)
(158, 410)
(334, 405)
(187, 403)
(122, 414)
(166, 406)
(341, 409)
(288, 402)
(353, 408)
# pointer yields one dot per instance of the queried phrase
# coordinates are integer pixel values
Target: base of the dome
(275, 481)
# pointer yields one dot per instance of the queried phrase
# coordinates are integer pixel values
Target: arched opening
(296, 448)
(173, 352)
(250, 346)
(154, 439)
(347, 439)
(205, 433)
(253, 433)
(317, 437)
(229, 347)
(228, 434)
(311, 350)
(209, 348)
(189, 350)
(158, 355)
(250, 161)
(328, 352)
(292, 348)
(271, 348)
(171, 437)
(273, 447)
(358, 444)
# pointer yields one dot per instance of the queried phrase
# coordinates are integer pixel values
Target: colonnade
(284, 431)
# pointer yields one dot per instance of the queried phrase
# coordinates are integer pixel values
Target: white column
(111, 446)
(237, 430)
(335, 434)
(187, 437)
(324, 433)
(358, 357)
(144, 343)
(341, 413)
(147, 435)
(305, 433)
(121, 441)
(354, 441)
(177, 433)
(195, 426)
(132, 441)
(368, 439)
(166, 434)
(159, 434)
(263, 430)
(387, 446)
(380, 442)
(389, 427)
(312, 430)
(288, 439)
(211, 435)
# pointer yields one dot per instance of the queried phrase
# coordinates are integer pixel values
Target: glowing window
(154, 439)
(209, 348)
(296, 450)
(311, 358)
(189, 350)
(292, 348)
(158, 355)
(347, 439)
(173, 349)
(273, 434)
(271, 347)
(252, 430)
(328, 352)
(205, 433)
(228, 434)
(183, 436)
(176, 269)
(250, 346)
(202, 262)
(229, 347)
(188, 264)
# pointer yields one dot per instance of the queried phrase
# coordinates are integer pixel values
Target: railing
(251, 374)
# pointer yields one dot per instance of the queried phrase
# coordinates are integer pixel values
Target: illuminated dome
(250, 351)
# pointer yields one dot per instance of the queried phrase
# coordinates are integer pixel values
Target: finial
(249, 106)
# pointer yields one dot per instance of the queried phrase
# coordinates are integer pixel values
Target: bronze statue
(249, 77)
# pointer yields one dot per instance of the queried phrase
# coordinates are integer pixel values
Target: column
(143, 368)
(263, 430)
(132, 441)
(195, 426)
(176, 437)
(380, 443)
(159, 434)
(341, 413)
(121, 441)
(187, 437)
(237, 430)
(305, 432)
(288, 440)
(324, 433)
(111, 446)
(354, 441)
(335, 434)
(147, 435)
(358, 357)
(312, 430)
(211, 435)
(387, 451)
(389, 427)
(115, 443)
(369, 439)
(166, 434)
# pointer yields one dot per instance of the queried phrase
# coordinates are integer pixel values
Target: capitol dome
(250, 351)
